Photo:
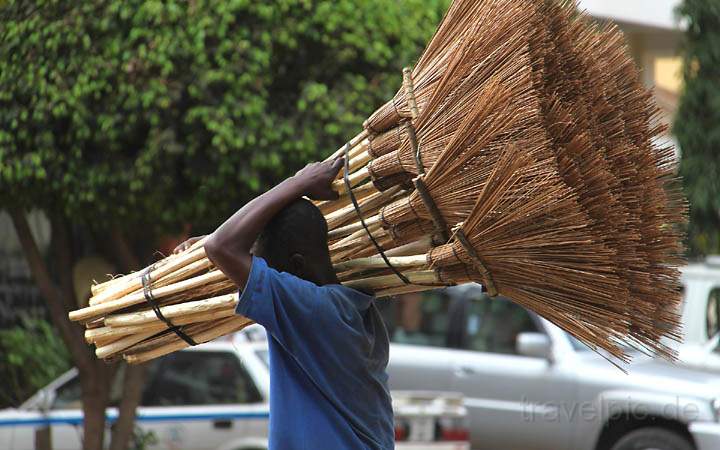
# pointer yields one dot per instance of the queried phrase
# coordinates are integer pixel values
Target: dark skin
(230, 246)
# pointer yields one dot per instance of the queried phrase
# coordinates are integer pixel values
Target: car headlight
(715, 405)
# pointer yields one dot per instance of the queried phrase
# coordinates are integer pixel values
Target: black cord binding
(150, 299)
(477, 262)
(346, 172)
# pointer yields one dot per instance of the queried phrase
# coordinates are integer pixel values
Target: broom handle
(353, 227)
(359, 161)
(95, 289)
(428, 277)
(422, 245)
(359, 138)
(237, 324)
(354, 179)
(357, 237)
(368, 206)
(122, 344)
(173, 277)
(135, 282)
(102, 309)
(376, 262)
(361, 192)
(404, 289)
(108, 334)
(171, 311)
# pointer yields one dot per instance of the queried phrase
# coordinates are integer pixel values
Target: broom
(526, 233)
(501, 51)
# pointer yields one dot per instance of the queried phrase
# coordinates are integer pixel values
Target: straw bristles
(498, 59)
(531, 233)
(447, 40)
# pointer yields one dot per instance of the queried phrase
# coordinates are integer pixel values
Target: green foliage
(137, 112)
(31, 356)
(698, 123)
(143, 440)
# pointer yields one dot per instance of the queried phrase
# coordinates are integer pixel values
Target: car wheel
(652, 438)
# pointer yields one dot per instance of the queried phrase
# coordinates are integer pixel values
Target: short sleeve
(282, 303)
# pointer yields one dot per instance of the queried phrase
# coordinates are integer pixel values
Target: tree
(126, 120)
(697, 126)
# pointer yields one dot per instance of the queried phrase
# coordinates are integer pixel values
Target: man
(328, 344)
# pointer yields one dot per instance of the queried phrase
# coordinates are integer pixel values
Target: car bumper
(706, 435)
(432, 446)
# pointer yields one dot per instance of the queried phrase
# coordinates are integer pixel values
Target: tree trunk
(71, 333)
(133, 383)
(94, 374)
(95, 396)
(134, 378)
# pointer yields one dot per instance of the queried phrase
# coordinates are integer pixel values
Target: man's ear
(297, 263)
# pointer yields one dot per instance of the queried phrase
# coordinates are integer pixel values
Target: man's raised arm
(229, 246)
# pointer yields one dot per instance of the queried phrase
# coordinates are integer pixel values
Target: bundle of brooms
(519, 153)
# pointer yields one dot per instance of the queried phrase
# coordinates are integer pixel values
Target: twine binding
(409, 89)
(380, 250)
(412, 137)
(477, 262)
(150, 299)
(437, 218)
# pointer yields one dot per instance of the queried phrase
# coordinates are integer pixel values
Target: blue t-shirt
(328, 355)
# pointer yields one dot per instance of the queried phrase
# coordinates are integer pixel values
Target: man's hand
(316, 179)
(187, 244)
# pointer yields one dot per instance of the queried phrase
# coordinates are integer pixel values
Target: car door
(418, 329)
(66, 417)
(199, 400)
(513, 401)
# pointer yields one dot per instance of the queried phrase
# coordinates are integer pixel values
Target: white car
(210, 397)
(528, 385)
(701, 315)
(214, 397)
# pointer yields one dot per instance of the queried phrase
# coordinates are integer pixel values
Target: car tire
(652, 438)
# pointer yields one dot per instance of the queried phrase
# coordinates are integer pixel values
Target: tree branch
(133, 383)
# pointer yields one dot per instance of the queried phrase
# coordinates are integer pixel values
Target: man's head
(295, 241)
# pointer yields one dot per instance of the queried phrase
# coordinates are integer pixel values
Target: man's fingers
(333, 195)
(338, 163)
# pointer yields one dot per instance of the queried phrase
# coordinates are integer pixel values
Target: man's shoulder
(345, 299)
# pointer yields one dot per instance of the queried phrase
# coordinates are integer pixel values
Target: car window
(199, 378)
(493, 325)
(67, 396)
(712, 314)
(264, 356)
(417, 319)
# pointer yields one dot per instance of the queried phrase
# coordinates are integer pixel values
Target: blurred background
(127, 126)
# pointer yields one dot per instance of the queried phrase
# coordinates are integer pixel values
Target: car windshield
(576, 344)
